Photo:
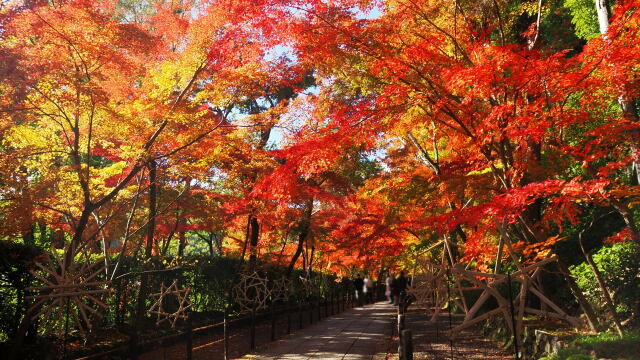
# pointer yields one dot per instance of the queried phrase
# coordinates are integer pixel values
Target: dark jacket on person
(358, 283)
(399, 285)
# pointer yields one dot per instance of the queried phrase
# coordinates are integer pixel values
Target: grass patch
(605, 345)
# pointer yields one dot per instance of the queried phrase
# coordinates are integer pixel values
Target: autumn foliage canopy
(333, 135)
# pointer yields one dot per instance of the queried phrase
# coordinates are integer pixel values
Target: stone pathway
(359, 333)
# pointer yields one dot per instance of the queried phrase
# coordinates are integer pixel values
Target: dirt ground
(431, 342)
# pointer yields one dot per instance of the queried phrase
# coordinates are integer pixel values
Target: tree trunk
(79, 231)
(302, 237)
(254, 234)
(602, 9)
(603, 287)
(592, 319)
(210, 243)
(181, 221)
(311, 257)
(29, 236)
(627, 216)
(627, 104)
(151, 225)
(183, 243)
(246, 239)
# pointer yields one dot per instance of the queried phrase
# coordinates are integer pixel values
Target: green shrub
(604, 345)
(15, 262)
(621, 273)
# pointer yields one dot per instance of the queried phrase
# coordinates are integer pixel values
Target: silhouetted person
(399, 287)
(359, 284)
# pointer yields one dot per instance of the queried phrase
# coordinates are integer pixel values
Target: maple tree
(327, 135)
(488, 125)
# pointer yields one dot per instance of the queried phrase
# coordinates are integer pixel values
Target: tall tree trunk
(311, 258)
(533, 211)
(627, 104)
(602, 8)
(254, 234)
(151, 225)
(151, 221)
(302, 237)
(210, 243)
(181, 221)
(78, 233)
(127, 229)
(182, 237)
(246, 238)
(29, 236)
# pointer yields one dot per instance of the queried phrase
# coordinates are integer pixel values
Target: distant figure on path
(399, 287)
(367, 288)
(388, 282)
(359, 284)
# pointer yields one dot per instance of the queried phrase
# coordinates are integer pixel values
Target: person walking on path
(359, 284)
(399, 287)
(388, 282)
(367, 288)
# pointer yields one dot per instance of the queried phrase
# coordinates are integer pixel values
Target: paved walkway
(357, 334)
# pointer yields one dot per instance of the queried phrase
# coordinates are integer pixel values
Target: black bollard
(333, 303)
(327, 302)
(288, 317)
(400, 324)
(133, 345)
(300, 316)
(253, 329)
(189, 337)
(225, 330)
(273, 323)
(406, 345)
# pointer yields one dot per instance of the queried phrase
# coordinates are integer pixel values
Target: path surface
(359, 333)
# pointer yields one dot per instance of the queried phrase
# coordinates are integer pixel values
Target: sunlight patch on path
(353, 335)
